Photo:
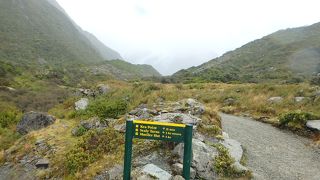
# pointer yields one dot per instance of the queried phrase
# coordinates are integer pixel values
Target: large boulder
(34, 121)
(157, 158)
(177, 118)
(236, 152)
(314, 124)
(193, 106)
(234, 148)
(203, 158)
(82, 104)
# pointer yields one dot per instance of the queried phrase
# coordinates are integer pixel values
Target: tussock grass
(249, 99)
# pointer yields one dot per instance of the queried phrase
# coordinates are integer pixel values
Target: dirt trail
(272, 153)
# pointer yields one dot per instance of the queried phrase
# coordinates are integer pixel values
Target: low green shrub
(296, 120)
(223, 162)
(91, 147)
(80, 131)
(8, 116)
(104, 108)
(209, 130)
(7, 138)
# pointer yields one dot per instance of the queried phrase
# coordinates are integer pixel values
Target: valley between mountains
(65, 98)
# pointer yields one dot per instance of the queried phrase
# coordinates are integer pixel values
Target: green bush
(296, 120)
(223, 162)
(80, 131)
(104, 108)
(7, 138)
(8, 116)
(92, 146)
(209, 130)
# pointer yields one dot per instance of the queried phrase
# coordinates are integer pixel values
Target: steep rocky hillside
(44, 55)
(39, 37)
(290, 55)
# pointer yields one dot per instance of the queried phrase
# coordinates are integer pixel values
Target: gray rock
(229, 101)
(156, 158)
(93, 123)
(86, 92)
(39, 141)
(203, 158)
(177, 177)
(103, 89)
(120, 127)
(155, 171)
(114, 173)
(225, 135)
(299, 99)
(234, 148)
(195, 107)
(239, 168)
(177, 169)
(274, 100)
(142, 113)
(192, 102)
(82, 104)
(43, 163)
(177, 118)
(314, 124)
(34, 121)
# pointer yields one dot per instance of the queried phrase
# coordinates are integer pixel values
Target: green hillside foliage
(34, 32)
(142, 70)
(286, 56)
(44, 55)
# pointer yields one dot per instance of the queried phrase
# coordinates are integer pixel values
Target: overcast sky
(176, 34)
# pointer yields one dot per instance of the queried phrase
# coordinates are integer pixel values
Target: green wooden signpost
(158, 131)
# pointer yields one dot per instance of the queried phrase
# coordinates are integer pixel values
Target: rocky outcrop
(43, 163)
(178, 118)
(34, 121)
(203, 158)
(92, 123)
(314, 124)
(236, 152)
(82, 104)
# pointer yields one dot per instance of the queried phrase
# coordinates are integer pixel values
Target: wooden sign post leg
(187, 156)
(128, 150)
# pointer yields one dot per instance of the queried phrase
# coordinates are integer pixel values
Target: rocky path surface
(272, 153)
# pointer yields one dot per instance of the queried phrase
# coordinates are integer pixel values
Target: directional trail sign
(158, 131)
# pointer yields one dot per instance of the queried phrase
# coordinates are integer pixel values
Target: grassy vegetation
(84, 156)
(92, 146)
(138, 70)
(223, 162)
(296, 120)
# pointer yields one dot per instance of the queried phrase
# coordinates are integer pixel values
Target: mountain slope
(39, 37)
(290, 55)
(104, 51)
(44, 55)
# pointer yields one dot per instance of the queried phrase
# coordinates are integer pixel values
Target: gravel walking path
(273, 154)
